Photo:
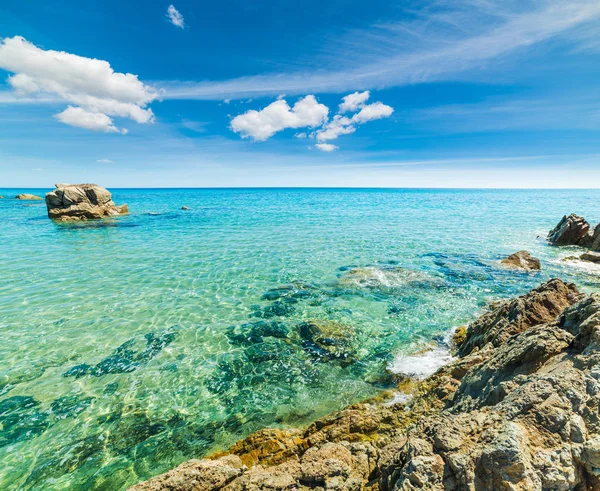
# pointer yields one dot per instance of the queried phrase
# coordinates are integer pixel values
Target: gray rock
(81, 202)
(569, 231)
(522, 260)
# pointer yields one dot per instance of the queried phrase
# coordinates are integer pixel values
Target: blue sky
(473, 93)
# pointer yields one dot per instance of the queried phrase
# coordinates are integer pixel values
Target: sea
(130, 345)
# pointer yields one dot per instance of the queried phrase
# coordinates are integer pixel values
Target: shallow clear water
(135, 344)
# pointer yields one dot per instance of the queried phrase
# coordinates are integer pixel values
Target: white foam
(421, 365)
(398, 398)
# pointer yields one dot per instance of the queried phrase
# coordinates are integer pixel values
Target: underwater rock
(328, 340)
(383, 276)
(70, 406)
(20, 419)
(127, 357)
(81, 202)
(297, 290)
(523, 260)
(28, 197)
(279, 308)
(569, 231)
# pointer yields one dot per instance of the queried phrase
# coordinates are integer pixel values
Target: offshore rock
(591, 256)
(569, 231)
(81, 202)
(514, 412)
(28, 197)
(522, 260)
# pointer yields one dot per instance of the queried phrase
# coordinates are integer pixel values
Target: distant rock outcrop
(518, 410)
(569, 231)
(81, 202)
(28, 197)
(523, 260)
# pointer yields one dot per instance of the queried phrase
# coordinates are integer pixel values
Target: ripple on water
(131, 345)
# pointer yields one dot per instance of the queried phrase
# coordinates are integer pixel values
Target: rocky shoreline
(516, 410)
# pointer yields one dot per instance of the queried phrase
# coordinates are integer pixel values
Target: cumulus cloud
(93, 89)
(344, 125)
(175, 17)
(277, 116)
(308, 113)
(80, 118)
(352, 102)
(326, 147)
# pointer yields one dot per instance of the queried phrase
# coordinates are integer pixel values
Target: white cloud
(80, 118)
(104, 161)
(354, 101)
(343, 125)
(301, 136)
(89, 83)
(326, 147)
(371, 112)
(175, 17)
(277, 116)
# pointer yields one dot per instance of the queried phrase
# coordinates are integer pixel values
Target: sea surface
(131, 345)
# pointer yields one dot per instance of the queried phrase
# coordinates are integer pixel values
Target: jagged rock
(523, 260)
(591, 256)
(540, 305)
(28, 197)
(81, 202)
(518, 412)
(569, 231)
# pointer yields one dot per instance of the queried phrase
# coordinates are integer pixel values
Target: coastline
(515, 410)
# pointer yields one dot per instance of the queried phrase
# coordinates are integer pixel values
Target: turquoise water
(132, 345)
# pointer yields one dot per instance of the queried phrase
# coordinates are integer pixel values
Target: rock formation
(518, 410)
(81, 202)
(28, 197)
(569, 231)
(522, 260)
(590, 256)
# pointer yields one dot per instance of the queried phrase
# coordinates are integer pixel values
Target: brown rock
(569, 231)
(28, 197)
(81, 202)
(540, 305)
(523, 260)
(591, 256)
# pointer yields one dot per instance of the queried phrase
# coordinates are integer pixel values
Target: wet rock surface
(81, 202)
(522, 260)
(518, 410)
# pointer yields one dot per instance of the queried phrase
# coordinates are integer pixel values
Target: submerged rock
(517, 411)
(384, 276)
(523, 260)
(81, 202)
(28, 197)
(569, 231)
(328, 340)
(184, 207)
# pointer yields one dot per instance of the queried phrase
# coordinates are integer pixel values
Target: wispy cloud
(175, 17)
(443, 41)
(104, 161)
(326, 147)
